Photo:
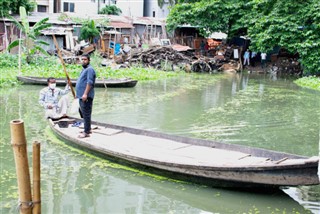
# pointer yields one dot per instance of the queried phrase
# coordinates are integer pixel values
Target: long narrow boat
(111, 83)
(196, 160)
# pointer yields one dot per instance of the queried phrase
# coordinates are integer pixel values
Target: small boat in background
(195, 160)
(107, 83)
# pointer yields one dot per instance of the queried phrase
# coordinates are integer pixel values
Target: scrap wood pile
(164, 57)
(287, 65)
(160, 56)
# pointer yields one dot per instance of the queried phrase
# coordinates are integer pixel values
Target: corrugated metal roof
(179, 48)
(148, 21)
(56, 31)
(120, 25)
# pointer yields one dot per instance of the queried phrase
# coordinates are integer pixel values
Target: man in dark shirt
(85, 93)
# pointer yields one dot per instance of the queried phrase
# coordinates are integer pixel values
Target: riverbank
(51, 66)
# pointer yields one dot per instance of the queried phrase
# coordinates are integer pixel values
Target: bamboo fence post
(36, 178)
(18, 141)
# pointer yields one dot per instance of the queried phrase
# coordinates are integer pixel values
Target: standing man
(253, 58)
(202, 47)
(263, 60)
(246, 57)
(85, 93)
(55, 108)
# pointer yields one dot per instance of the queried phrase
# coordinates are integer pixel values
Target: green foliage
(311, 82)
(30, 45)
(66, 18)
(294, 27)
(101, 22)
(12, 6)
(88, 31)
(110, 10)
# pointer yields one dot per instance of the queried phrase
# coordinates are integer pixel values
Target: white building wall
(131, 8)
(81, 6)
(152, 9)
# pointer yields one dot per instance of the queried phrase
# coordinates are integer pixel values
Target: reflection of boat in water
(308, 196)
(117, 191)
(196, 160)
(219, 200)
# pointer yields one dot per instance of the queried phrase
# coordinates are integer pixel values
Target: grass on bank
(51, 66)
(311, 82)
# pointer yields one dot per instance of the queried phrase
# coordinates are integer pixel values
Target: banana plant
(88, 30)
(29, 44)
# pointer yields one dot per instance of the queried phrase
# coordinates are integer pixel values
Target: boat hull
(110, 83)
(283, 170)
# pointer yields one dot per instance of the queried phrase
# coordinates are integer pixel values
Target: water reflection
(244, 109)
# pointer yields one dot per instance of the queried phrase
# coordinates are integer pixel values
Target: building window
(71, 7)
(153, 13)
(93, 1)
(42, 8)
(68, 7)
(103, 1)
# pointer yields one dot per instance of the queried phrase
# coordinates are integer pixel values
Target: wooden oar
(75, 103)
(64, 66)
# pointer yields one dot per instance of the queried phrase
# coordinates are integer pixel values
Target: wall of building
(152, 9)
(131, 8)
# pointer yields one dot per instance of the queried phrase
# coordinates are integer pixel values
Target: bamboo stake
(18, 141)
(36, 178)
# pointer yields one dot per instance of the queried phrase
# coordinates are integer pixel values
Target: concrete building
(130, 8)
(152, 9)
(85, 7)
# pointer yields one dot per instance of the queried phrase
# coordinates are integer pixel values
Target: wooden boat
(196, 160)
(110, 83)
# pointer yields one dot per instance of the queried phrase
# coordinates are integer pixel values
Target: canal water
(253, 110)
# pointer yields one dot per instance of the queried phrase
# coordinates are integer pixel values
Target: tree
(29, 43)
(110, 10)
(271, 23)
(161, 3)
(12, 6)
(213, 15)
(292, 26)
(88, 31)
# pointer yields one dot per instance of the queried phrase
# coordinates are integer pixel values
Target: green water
(241, 109)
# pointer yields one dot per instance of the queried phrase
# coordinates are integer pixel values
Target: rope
(37, 202)
(28, 204)
(18, 145)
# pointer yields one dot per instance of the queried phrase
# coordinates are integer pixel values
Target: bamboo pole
(63, 64)
(36, 178)
(18, 141)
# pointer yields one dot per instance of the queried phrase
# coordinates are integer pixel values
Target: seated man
(49, 99)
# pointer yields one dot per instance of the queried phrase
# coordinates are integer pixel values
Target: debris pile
(285, 65)
(169, 58)
(162, 57)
